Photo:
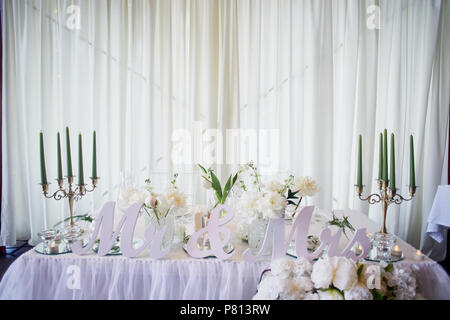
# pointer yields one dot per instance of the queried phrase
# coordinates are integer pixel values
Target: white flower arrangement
(335, 278)
(270, 199)
(158, 204)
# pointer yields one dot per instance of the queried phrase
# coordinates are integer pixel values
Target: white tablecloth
(35, 276)
(439, 218)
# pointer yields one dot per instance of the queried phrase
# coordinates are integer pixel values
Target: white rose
(282, 267)
(306, 186)
(346, 274)
(151, 202)
(358, 292)
(322, 274)
(330, 294)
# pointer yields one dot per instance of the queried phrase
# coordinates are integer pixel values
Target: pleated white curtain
(307, 77)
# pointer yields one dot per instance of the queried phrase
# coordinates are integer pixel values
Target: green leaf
(216, 186)
(360, 269)
(376, 295)
(203, 169)
(226, 189)
(235, 178)
(389, 267)
(292, 195)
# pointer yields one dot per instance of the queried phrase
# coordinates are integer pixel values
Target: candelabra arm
(372, 198)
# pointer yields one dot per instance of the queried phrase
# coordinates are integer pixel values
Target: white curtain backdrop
(304, 78)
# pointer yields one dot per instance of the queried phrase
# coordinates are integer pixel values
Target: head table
(177, 276)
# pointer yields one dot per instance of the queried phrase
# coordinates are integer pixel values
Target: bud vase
(159, 222)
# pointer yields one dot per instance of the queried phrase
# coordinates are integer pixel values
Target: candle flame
(396, 248)
(419, 253)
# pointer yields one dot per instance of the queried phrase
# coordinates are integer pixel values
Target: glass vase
(256, 235)
(158, 222)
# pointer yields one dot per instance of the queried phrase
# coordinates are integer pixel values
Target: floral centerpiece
(260, 202)
(335, 278)
(160, 208)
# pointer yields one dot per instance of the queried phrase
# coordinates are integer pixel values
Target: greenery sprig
(341, 223)
(221, 193)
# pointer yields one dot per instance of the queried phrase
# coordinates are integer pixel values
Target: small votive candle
(53, 247)
(418, 256)
(358, 250)
(396, 252)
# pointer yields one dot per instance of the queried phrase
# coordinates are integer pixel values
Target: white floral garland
(336, 278)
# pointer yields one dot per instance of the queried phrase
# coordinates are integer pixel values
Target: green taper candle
(412, 170)
(392, 179)
(385, 155)
(94, 156)
(359, 179)
(69, 157)
(380, 161)
(43, 171)
(60, 173)
(80, 162)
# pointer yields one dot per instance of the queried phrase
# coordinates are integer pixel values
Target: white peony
(345, 274)
(282, 267)
(132, 195)
(271, 205)
(274, 186)
(248, 203)
(322, 274)
(358, 292)
(271, 287)
(176, 197)
(330, 294)
(306, 186)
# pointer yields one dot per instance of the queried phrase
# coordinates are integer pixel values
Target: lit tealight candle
(358, 250)
(396, 252)
(53, 247)
(418, 256)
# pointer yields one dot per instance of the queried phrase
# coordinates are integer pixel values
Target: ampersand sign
(217, 235)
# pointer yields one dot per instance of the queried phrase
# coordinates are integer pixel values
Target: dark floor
(12, 253)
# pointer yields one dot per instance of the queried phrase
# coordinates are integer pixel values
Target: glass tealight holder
(383, 243)
(48, 238)
(71, 234)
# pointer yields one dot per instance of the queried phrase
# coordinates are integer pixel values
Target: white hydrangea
(302, 267)
(358, 292)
